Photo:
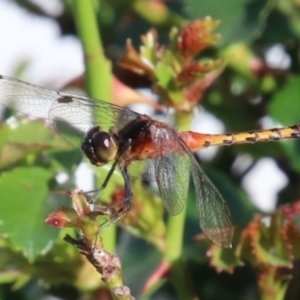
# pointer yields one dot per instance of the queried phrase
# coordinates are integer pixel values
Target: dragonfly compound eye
(104, 146)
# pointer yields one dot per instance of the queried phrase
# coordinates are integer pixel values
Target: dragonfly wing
(215, 220)
(26, 98)
(72, 116)
(69, 114)
(214, 213)
(170, 169)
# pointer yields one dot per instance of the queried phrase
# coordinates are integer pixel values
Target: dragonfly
(107, 133)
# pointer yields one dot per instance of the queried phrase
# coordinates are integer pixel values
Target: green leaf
(66, 159)
(164, 74)
(16, 141)
(24, 131)
(22, 210)
(223, 259)
(12, 153)
(285, 105)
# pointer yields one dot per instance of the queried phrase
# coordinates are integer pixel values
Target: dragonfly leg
(93, 194)
(128, 190)
(105, 182)
(120, 209)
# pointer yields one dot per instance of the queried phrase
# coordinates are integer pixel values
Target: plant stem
(98, 72)
(98, 68)
(175, 227)
(175, 233)
(181, 281)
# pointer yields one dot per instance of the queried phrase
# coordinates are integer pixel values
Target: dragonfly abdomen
(255, 136)
(197, 141)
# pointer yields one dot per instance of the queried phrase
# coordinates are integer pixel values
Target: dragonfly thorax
(99, 146)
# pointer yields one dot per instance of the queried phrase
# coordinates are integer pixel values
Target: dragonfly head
(99, 146)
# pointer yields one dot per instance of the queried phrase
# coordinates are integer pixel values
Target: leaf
(197, 36)
(12, 153)
(285, 105)
(16, 141)
(292, 149)
(164, 74)
(27, 132)
(223, 259)
(22, 210)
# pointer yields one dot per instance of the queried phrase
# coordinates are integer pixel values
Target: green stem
(181, 281)
(175, 233)
(174, 239)
(98, 68)
(98, 76)
(175, 227)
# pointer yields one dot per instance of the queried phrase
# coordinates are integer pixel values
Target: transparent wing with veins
(70, 115)
(214, 215)
(172, 172)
